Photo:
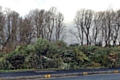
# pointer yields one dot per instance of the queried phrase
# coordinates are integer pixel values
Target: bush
(60, 43)
(33, 61)
(44, 54)
(41, 46)
(16, 60)
(4, 64)
(2, 54)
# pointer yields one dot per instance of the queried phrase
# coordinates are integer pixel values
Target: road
(32, 73)
(92, 77)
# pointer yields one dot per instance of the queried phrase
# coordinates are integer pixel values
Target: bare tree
(116, 28)
(79, 25)
(97, 28)
(7, 30)
(51, 22)
(48, 24)
(2, 27)
(83, 22)
(88, 24)
(60, 27)
(26, 30)
(14, 28)
(107, 27)
(38, 17)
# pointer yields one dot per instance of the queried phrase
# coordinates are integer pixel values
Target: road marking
(85, 73)
(116, 71)
(47, 76)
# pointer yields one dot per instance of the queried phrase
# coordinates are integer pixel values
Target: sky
(67, 7)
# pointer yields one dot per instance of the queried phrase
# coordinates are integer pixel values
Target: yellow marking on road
(47, 76)
(116, 71)
(85, 73)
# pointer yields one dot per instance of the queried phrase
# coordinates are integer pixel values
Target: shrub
(16, 61)
(4, 64)
(60, 43)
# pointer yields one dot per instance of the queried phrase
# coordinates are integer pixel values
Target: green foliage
(18, 48)
(61, 43)
(51, 55)
(74, 45)
(79, 55)
(16, 60)
(2, 54)
(65, 66)
(4, 64)
(41, 45)
(33, 61)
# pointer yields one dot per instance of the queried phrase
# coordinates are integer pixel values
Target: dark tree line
(16, 30)
(97, 28)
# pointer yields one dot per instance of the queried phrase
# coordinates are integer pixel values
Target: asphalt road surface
(31, 73)
(92, 77)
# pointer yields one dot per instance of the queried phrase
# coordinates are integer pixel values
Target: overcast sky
(67, 7)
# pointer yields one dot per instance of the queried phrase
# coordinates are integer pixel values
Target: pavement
(90, 77)
(56, 73)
